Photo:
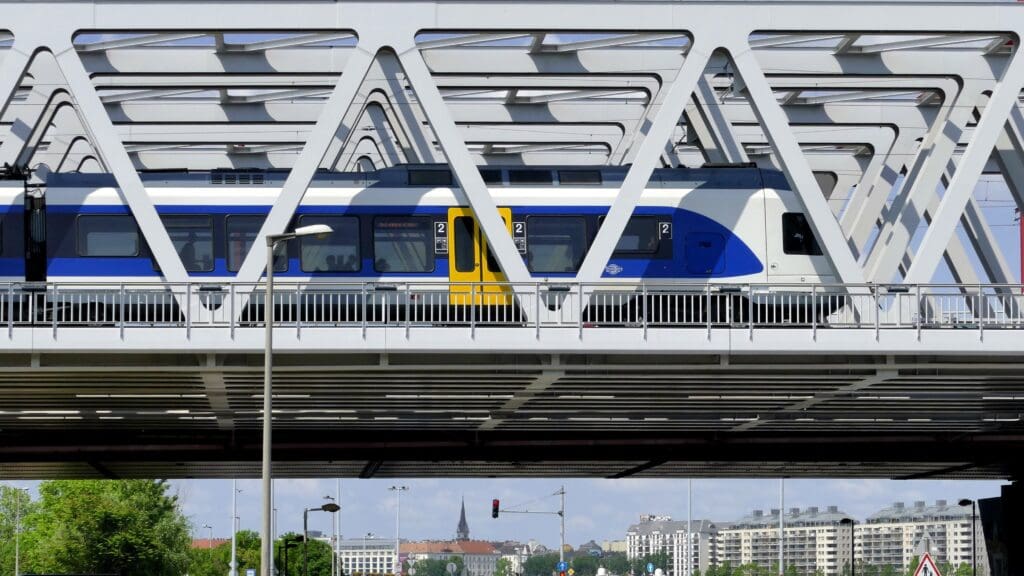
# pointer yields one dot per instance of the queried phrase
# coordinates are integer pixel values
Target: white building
(480, 558)
(894, 535)
(814, 540)
(661, 535)
(367, 556)
(516, 553)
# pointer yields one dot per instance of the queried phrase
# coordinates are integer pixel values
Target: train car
(405, 224)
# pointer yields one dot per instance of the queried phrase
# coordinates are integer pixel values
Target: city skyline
(596, 509)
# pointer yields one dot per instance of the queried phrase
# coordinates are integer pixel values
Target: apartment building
(367, 556)
(661, 535)
(894, 535)
(813, 540)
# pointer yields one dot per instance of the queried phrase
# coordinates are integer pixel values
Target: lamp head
(846, 521)
(965, 502)
(320, 231)
(330, 507)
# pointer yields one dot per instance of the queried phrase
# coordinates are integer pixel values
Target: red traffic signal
(495, 504)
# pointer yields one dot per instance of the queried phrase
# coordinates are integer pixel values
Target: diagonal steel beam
(12, 69)
(961, 187)
(923, 178)
(646, 160)
(105, 141)
(794, 164)
(136, 41)
(305, 167)
(462, 165)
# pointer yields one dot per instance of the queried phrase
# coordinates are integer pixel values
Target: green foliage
(209, 561)
(585, 565)
(125, 527)
(542, 565)
(503, 567)
(912, 567)
(616, 564)
(639, 565)
(319, 556)
(436, 567)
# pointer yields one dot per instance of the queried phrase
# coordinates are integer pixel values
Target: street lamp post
(334, 536)
(398, 525)
(233, 569)
(287, 544)
(853, 560)
(209, 541)
(329, 507)
(266, 545)
(974, 527)
(368, 536)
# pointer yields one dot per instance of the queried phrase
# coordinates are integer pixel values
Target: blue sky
(595, 509)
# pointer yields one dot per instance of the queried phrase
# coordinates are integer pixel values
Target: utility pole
(782, 524)
(689, 527)
(337, 533)
(233, 567)
(561, 514)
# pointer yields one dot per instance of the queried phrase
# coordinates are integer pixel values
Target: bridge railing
(538, 305)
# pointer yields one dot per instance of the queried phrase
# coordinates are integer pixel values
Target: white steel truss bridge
(898, 125)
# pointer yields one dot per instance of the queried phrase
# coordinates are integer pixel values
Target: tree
(913, 565)
(542, 565)
(616, 564)
(125, 527)
(639, 565)
(438, 566)
(585, 565)
(319, 556)
(209, 561)
(15, 508)
(503, 567)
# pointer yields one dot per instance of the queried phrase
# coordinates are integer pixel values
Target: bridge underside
(482, 415)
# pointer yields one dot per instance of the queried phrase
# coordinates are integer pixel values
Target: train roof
(439, 175)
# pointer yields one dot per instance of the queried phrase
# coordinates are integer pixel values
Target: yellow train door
(470, 261)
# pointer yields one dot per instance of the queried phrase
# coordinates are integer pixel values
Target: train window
(579, 176)
(192, 237)
(430, 178)
(465, 245)
(491, 176)
(1, 234)
(403, 244)
(529, 177)
(241, 233)
(555, 243)
(639, 237)
(797, 236)
(339, 252)
(108, 235)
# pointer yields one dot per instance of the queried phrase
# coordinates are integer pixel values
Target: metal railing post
(707, 307)
(874, 291)
(750, 310)
(579, 308)
(231, 294)
(536, 316)
(364, 310)
(982, 304)
(53, 311)
(472, 310)
(408, 310)
(643, 307)
(188, 311)
(10, 311)
(120, 312)
(917, 310)
(814, 312)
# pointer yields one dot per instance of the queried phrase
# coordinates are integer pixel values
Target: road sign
(650, 567)
(562, 566)
(250, 572)
(571, 572)
(927, 567)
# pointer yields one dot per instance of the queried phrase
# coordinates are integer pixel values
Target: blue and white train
(717, 225)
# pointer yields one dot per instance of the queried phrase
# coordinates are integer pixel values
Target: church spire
(462, 533)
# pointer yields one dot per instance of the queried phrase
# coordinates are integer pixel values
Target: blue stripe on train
(702, 248)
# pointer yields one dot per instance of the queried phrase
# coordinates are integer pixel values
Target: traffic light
(495, 504)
